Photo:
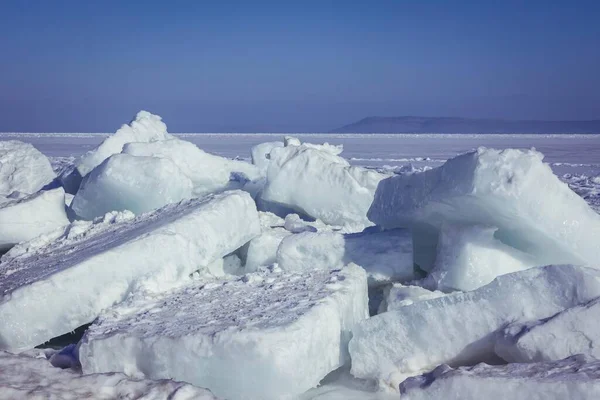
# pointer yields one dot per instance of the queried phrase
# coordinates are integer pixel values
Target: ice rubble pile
(255, 280)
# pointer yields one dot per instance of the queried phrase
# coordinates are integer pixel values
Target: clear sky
(88, 66)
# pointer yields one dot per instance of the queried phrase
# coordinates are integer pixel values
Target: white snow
(573, 378)
(321, 184)
(469, 257)
(25, 377)
(268, 335)
(460, 328)
(23, 169)
(124, 182)
(573, 331)
(28, 217)
(397, 295)
(261, 155)
(51, 290)
(511, 189)
(209, 173)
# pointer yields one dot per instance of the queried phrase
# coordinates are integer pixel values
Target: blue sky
(89, 66)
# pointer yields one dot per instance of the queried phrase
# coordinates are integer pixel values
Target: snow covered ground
(291, 267)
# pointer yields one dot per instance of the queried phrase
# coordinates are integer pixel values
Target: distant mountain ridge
(409, 124)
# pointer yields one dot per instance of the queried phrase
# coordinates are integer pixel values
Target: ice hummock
(576, 377)
(25, 377)
(28, 217)
(23, 170)
(145, 127)
(570, 332)
(512, 190)
(314, 180)
(124, 182)
(51, 289)
(460, 328)
(268, 335)
(209, 173)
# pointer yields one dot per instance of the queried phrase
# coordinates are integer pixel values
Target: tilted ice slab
(573, 378)
(26, 377)
(572, 331)
(321, 184)
(146, 127)
(209, 173)
(50, 290)
(511, 189)
(263, 336)
(460, 328)
(23, 169)
(469, 257)
(26, 218)
(124, 182)
(386, 256)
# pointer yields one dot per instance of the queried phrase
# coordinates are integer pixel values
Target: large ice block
(54, 288)
(268, 335)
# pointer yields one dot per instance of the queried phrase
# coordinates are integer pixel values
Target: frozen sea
(574, 158)
(574, 154)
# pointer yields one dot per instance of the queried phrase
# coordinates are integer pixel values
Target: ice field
(299, 266)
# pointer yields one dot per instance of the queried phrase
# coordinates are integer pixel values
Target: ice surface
(23, 169)
(573, 378)
(209, 173)
(511, 189)
(322, 185)
(573, 331)
(460, 328)
(386, 256)
(146, 127)
(397, 295)
(26, 377)
(261, 157)
(469, 257)
(26, 218)
(268, 335)
(124, 182)
(48, 290)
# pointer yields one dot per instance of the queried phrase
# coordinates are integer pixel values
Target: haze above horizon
(278, 67)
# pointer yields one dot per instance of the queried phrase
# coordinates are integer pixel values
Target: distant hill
(465, 125)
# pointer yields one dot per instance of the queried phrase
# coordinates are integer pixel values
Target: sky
(293, 66)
